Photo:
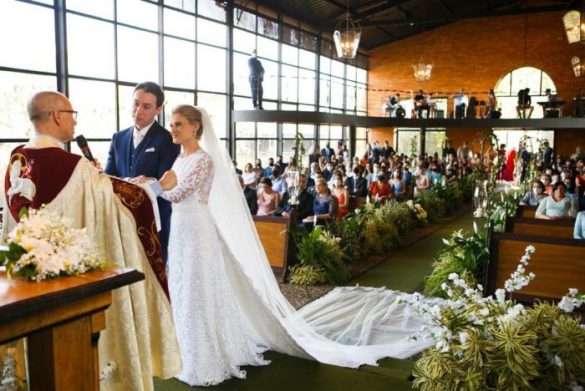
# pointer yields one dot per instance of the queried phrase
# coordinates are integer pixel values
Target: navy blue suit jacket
(153, 156)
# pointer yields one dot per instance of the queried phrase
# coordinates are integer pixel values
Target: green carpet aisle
(404, 271)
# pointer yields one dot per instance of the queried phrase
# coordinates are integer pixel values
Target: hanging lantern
(347, 38)
(577, 66)
(422, 70)
(574, 27)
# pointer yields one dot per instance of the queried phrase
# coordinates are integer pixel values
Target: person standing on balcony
(256, 78)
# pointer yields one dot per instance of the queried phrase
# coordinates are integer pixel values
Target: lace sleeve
(194, 181)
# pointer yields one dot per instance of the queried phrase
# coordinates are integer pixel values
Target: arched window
(526, 77)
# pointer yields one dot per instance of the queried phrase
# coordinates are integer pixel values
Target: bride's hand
(168, 180)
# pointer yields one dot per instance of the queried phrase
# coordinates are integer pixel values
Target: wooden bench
(356, 202)
(525, 211)
(274, 233)
(548, 228)
(559, 264)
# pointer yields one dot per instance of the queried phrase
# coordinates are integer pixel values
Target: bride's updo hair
(193, 116)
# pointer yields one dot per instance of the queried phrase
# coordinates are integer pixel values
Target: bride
(227, 305)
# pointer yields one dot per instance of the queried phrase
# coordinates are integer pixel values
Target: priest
(139, 341)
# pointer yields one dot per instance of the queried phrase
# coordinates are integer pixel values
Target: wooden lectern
(61, 319)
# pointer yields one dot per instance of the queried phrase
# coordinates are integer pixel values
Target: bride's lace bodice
(194, 178)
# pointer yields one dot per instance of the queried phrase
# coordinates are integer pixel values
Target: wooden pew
(356, 202)
(559, 264)
(525, 211)
(549, 228)
(274, 233)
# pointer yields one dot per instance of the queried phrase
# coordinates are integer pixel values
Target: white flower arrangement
(43, 246)
(417, 210)
(468, 322)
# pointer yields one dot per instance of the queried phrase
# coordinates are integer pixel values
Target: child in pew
(557, 206)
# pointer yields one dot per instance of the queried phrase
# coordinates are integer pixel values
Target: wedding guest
(340, 191)
(398, 186)
(267, 198)
(356, 184)
(249, 176)
(557, 206)
(278, 181)
(305, 202)
(324, 205)
(534, 196)
(251, 196)
(379, 190)
(422, 180)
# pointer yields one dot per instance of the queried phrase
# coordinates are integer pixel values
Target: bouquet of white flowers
(43, 246)
(417, 210)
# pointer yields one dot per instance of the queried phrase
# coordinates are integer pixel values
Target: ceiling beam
(508, 12)
(381, 7)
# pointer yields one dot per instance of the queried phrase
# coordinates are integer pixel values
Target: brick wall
(475, 54)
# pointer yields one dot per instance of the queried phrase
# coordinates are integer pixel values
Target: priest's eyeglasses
(73, 112)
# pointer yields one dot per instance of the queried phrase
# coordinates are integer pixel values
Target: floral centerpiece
(43, 246)
(494, 343)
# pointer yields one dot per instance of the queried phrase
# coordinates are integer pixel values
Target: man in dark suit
(357, 185)
(327, 152)
(305, 206)
(146, 148)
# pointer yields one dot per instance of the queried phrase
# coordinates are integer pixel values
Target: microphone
(82, 144)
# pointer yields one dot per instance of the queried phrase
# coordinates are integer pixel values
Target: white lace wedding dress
(213, 336)
(227, 305)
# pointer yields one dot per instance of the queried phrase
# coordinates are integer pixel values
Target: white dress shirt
(139, 134)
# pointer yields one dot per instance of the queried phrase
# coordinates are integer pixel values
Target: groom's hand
(168, 180)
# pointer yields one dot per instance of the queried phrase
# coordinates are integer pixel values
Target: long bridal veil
(348, 327)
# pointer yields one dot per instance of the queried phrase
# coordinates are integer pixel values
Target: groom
(146, 148)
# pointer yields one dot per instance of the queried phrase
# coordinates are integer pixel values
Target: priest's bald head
(52, 114)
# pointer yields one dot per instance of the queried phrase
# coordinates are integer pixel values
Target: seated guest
(547, 182)
(357, 185)
(379, 190)
(251, 196)
(398, 185)
(342, 194)
(324, 205)
(268, 170)
(278, 181)
(579, 231)
(305, 202)
(423, 181)
(534, 196)
(258, 169)
(267, 198)
(250, 176)
(557, 206)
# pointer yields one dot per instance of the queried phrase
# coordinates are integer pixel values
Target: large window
(111, 45)
(527, 77)
(296, 77)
